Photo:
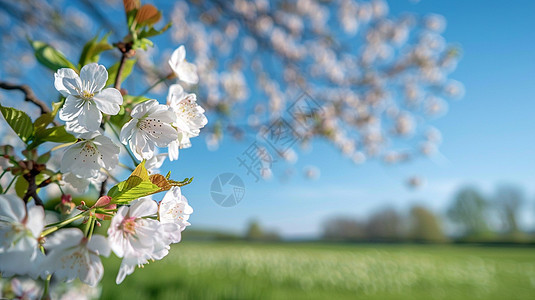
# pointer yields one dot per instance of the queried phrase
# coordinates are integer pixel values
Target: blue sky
(488, 138)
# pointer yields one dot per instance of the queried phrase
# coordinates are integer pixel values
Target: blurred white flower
(20, 227)
(151, 126)
(190, 118)
(183, 69)
(85, 158)
(174, 208)
(71, 255)
(86, 98)
(25, 288)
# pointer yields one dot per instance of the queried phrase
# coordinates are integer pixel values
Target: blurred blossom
(435, 23)
(415, 181)
(380, 76)
(454, 89)
(311, 172)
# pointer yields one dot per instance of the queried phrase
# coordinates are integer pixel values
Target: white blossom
(151, 126)
(153, 164)
(190, 118)
(86, 97)
(79, 184)
(183, 69)
(85, 158)
(71, 255)
(174, 208)
(20, 227)
(136, 238)
(25, 288)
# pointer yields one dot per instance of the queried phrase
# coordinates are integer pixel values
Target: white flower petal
(12, 208)
(187, 72)
(99, 244)
(72, 108)
(144, 207)
(108, 101)
(94, 77)
(143, 108)
(127, 131)
(67, 82)
(173, 150)
(64, 238)
(176, 92)
(36, 220)
(178, 56)
(90, 117)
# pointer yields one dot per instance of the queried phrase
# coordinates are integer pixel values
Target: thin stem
(58, 225)
(61, 146)
(126, 167)
(60, 188)
(46, 295)
(154, 85)
(127, 150)
(5, 171)
(119, 76)
(9, 185)
(111, 176)
(88, 226)
(92, 227)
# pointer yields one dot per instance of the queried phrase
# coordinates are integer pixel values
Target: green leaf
(92, 49)
(19, 121)
(21, 186)
(120, 118)
(143, 43)
(43, 159)
(56, 106)
(42, 122)
(153, 32)
(56, 134)
(50, 57)
(136, 186)
(127, 69)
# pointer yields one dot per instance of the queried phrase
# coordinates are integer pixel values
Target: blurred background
(373, 149)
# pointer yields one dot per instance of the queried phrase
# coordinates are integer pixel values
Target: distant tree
(425, 226)
(507, 201)
(385, 225)
(469, 211)
(256, 233)
(343, 229)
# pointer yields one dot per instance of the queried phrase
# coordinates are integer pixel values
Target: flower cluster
(65, 243)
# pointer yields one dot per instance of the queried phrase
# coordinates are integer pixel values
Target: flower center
(128, 225)
(187, 108)
(149, 125)
(87, 95)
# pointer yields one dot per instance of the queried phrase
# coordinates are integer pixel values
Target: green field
(197, 270)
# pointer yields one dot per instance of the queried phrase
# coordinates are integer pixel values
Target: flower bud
(66, 205)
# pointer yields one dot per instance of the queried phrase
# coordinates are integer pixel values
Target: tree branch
(126, 52)
(28, 95)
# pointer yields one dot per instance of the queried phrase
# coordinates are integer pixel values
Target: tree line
(472, 216)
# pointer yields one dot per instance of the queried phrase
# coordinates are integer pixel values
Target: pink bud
(102, 201)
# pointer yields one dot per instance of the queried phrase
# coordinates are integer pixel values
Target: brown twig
(28, 95)
(126, 52)
(32, 188)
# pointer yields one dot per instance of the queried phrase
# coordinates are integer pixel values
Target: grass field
(196, 270)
